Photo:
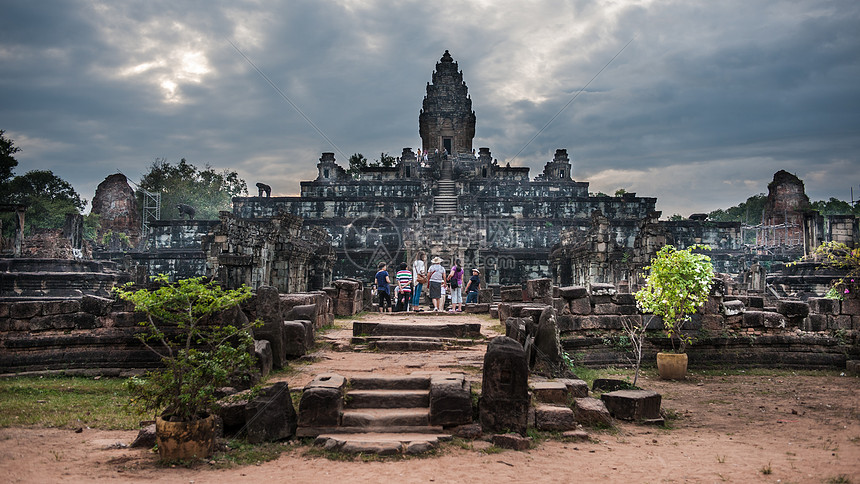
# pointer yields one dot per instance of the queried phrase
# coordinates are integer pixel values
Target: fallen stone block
(550, 392)
(145, 438)
(573, 292)
(512, 441)
(450, 400)
(539, 288)
(263, 353)
(575, 435)
(479, 308)
(322, 401)
(294, 338)
(512, 294)
(792, 309)
(601, 289)
(270, 416)
(633, 404)
(575, 388)
(591, 412)
(732, 308)
(554, 418)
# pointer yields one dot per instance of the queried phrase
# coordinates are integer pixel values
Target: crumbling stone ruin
(782, 221)
(116, 206)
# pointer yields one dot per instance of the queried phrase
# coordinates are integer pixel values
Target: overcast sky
(706, 103)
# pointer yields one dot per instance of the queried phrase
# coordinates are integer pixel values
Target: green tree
(620, 192)
(7, 157)
(48, 198)
(678, 284)
(207, 190)
(356, 162)
(676, 217)
(198, 354)
(386, 160)
(749, 212)
(834, 206)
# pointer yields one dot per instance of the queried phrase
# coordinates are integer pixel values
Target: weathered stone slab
(567, 323)
(267, 309)
(100, 306)
(792, 309)
(573, 292)
(580, 306)
(145, 438)
(539, 288)
(263, 353)
(270, 416)
(479, 308)
(512, 441)
(823, 305)
(294, 339)
(320, 407)
(633, 404)
(592, 412)
(575, 388)
(514, 294)
(732, 308)
(550, 392)
(601, 289)
(554, 418)
(850, 306)
(607, 308)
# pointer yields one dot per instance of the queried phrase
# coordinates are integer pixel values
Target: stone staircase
(392, 336)
(385, 414)
(445, 202)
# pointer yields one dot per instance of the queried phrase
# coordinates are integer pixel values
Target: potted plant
(678, 284)
(198, 354)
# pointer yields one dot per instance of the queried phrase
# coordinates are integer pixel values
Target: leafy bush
(677, 285)
(198, 355)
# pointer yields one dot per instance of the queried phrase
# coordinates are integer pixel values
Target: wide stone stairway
(383, 415)
(393, 336)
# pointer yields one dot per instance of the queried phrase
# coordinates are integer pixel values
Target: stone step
(433, 330)
(410, 343)
(315, 431)
(388, 399)
(386, 417)
(389, 383)
(381, 443)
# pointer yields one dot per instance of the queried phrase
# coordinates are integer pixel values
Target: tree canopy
(48, 197)
(207, 190)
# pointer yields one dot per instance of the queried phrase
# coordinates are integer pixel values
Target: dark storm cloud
(708, 101)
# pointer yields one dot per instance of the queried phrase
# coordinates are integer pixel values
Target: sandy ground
(735, 428)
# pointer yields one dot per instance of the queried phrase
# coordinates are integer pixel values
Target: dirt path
(734, 428)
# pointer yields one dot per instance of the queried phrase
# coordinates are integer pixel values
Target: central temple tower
(447, 122)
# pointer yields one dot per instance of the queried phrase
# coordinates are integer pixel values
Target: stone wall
(729, 330)
(97, 335)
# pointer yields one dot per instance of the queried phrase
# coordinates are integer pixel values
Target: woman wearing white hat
(436, 275)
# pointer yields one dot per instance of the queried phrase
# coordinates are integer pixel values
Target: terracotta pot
(185, 440)
(672, 366)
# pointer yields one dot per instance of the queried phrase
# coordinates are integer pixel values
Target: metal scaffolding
(151, 209)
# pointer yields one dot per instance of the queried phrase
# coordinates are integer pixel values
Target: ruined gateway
(457, 203)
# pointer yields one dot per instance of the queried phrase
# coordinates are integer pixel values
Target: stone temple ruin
(559, 264)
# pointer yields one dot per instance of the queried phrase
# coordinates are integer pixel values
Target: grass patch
(840, 479)
(241, 453)
(766, 470)
(66, 402)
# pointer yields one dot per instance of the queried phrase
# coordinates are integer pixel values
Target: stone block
(25, 309)
(732, 308)
(600, 322)
(320, 407)
(591, 412)
(843, 321)
(853, 367)
(270, 416)
(504, 399)
(511, 294)
(60, 307)
(608, 308)
(556, 292)
(755, 302)
(517, 328)
(263, 353)
(567, 323)
(792, 309)
(479, 308)
(100, 306)
(624, 299)
(539, 288)
(823, 305)
(850, 306)
(573, 292)
(450, 400)
(580, 306)
(713, 322)
(504, 311)
(267, 309)
(815, 322)
(347, 307)
(231, 411)
(601, 289)
(627, 310)
(633, 404)
(554, 418)
(550, 392)
(145, 438)
(302, 312)
(4, 309)
(575, 388)
(81, 320)
(855, 323)
(600, 299)
(485, 296)
(712, 306)
(294, 339)
(511, 441)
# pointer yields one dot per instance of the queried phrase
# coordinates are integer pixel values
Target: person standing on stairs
(383, 288)
(436, 275)
(419, 277)
(455, 283)
(404, 283)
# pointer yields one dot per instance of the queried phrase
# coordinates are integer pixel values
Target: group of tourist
(407, 285)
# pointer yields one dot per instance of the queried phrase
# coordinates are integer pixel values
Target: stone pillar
(504, 400)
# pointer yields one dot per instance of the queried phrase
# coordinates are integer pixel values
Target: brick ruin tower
(782, 219)
(447, 121)
(116, 206)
